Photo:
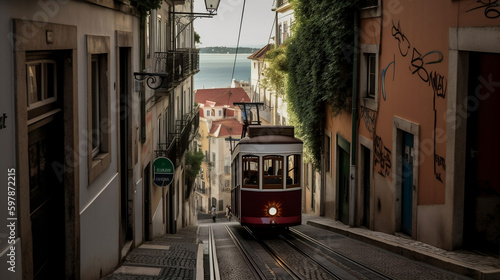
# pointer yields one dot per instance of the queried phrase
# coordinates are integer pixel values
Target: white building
(79, 134)
(220, 119)
(68, 104)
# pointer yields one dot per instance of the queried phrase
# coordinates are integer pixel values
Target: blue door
(407, 181)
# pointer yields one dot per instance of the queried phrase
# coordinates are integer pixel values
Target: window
(159, 125)
(285, 31)
(165, 125)
(371, 74)
(273, 172)
(327, 153)
(368, 79)
(164, 42)
(98, 105)
(369, 3)
(208, 113)
(158, 34)
(148, 19)
(293, 171)
(280, 34)
(250, 172)
(41, 80)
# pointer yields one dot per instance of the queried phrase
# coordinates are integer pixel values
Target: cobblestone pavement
(461, 262)
(180, 255)
(172, 256)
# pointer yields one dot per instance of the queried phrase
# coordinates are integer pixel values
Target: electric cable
(238, 43)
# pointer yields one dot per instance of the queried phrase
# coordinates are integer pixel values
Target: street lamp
(210, 5)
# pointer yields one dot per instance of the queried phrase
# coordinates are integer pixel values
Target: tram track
(256, 270)
(299, 271)
(212, 256)
(357, 267)
(294, 255)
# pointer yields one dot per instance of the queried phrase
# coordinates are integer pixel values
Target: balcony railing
(178, 141)
(171, 68)
(280, 3)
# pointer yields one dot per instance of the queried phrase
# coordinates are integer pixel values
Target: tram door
(46, 164)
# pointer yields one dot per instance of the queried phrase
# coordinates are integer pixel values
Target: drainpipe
(142, 65)
(354, 137)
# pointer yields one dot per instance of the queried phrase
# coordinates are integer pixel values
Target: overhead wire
(238, 43)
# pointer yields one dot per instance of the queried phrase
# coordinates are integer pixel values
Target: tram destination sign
(163, 172)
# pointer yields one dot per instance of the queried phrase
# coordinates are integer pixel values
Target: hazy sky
(222, 29)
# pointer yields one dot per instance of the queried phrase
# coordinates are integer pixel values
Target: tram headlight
(272, 211)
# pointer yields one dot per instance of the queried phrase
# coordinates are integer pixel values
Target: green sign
(163, 172)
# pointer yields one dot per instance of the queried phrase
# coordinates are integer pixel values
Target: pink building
(426, 130)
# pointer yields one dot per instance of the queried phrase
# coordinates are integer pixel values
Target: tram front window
(273, 172)
(250, 172)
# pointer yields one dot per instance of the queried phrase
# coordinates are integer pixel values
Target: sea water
(216, 70)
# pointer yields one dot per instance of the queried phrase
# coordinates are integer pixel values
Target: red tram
(266, 177)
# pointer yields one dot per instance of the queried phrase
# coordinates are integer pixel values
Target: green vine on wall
(319, 60)
(276, 72)
(145, 6)
(193, 167)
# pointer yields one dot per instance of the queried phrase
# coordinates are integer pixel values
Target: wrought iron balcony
(178, 142)
(171, 68)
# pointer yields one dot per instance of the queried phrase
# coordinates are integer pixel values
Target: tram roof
(270, 134)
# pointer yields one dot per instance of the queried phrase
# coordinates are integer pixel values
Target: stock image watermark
(11, 221)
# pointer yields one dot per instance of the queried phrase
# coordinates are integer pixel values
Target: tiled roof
(220, 96)
(260, 54)
(226, 127)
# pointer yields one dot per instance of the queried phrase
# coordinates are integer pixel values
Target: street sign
(163, 172)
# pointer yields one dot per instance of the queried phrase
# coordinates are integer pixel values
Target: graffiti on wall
(384, 72)
(419, 66)
(369, 117)
(3, 121)
(439, 162)
(491, 8)
(382, 157)
(419, 61)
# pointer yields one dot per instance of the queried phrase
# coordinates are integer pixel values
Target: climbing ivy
(275, 74)
(319, 58)
(145, 6)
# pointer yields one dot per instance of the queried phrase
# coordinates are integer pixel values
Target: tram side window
(293, 171)
(273, 172)
(250, 172)
(235, 176)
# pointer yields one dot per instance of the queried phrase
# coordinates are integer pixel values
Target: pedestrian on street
(213, 213)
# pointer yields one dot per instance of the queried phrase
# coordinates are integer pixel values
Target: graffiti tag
(439, 161)
(403, 43)
(369, 117)
(382, 157)
(384, 71)
(490, 8)
(3, 121)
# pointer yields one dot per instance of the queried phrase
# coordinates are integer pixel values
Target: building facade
(424, 149)
(81, 128)
(68, 102)
(220, 121)
(169, 113)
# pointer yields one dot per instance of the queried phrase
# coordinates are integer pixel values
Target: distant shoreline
(226, 50)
